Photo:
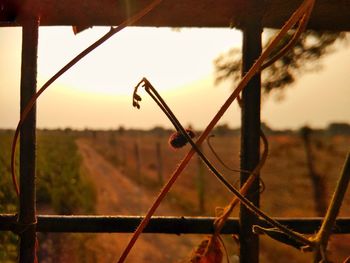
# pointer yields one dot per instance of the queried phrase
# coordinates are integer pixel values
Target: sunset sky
(97, 92)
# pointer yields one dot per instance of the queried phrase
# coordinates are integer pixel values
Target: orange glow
(96, 93)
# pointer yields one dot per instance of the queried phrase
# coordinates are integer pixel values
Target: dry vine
(301, 15)
(128, 22)
(318, 243)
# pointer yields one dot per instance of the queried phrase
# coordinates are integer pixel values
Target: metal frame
(250, 139)
(26, 226)
(327, 15)
(158, 224)
(27, 206)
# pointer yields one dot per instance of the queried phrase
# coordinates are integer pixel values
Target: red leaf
(208, 251)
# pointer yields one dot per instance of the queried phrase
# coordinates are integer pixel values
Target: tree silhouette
(303, 57)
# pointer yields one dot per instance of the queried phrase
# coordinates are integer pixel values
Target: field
(59, 175)
(288, 193)
(97, 168)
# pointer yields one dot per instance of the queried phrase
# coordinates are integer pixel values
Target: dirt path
(116, 194)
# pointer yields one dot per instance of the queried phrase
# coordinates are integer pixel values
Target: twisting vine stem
(322, 237)
(301, 28)
(262, 184)
(239, 194)
(220, 160)
(219, 222)
(168, 112)
(296, 16)
(128, 22)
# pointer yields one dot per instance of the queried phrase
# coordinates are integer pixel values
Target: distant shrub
(60, 182)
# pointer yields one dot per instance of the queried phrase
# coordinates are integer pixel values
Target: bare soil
(118, 195)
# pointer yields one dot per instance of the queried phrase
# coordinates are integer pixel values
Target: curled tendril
(136, 98)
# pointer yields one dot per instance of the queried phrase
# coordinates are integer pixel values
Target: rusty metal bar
(159, 224)
(250, 143)
(327, 15)
(27, 217)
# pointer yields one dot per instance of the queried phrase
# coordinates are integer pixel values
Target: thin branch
(220, 160)
(220, 221)
(296, 16)
(165, 108)
(325, 231)
(301, 28)
(128, 22)
(240, 195)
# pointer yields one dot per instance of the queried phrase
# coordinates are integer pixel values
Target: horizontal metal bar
(327, 15)
(166, 225)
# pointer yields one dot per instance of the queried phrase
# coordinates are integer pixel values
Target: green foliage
(60, 181)
(303, 57)
(59, 178)
(8, 199)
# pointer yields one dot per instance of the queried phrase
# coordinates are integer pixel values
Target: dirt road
(116, 194)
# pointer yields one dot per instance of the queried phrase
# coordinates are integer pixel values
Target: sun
(167, 57)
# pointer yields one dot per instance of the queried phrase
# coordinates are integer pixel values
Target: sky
(97, 92)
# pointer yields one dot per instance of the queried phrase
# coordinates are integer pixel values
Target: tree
(337, 128)
(303, 57)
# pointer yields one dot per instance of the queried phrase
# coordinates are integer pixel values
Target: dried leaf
(177, 140)
(208, 251)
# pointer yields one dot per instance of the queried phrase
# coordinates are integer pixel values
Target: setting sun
(179, 62)
(168, 57)
(187, 131)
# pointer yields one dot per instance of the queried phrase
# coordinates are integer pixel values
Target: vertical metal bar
(27, 208)
(250, 150)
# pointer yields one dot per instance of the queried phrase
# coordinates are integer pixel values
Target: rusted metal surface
(27, 211)
(250, 140)
(158, 224)
(327, 15)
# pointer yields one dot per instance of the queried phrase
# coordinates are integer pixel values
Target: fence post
(200, 184)
(159, 163)
(27, 209)
(317, 180)
(137, 162)
(122, 154)
(250, 143)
